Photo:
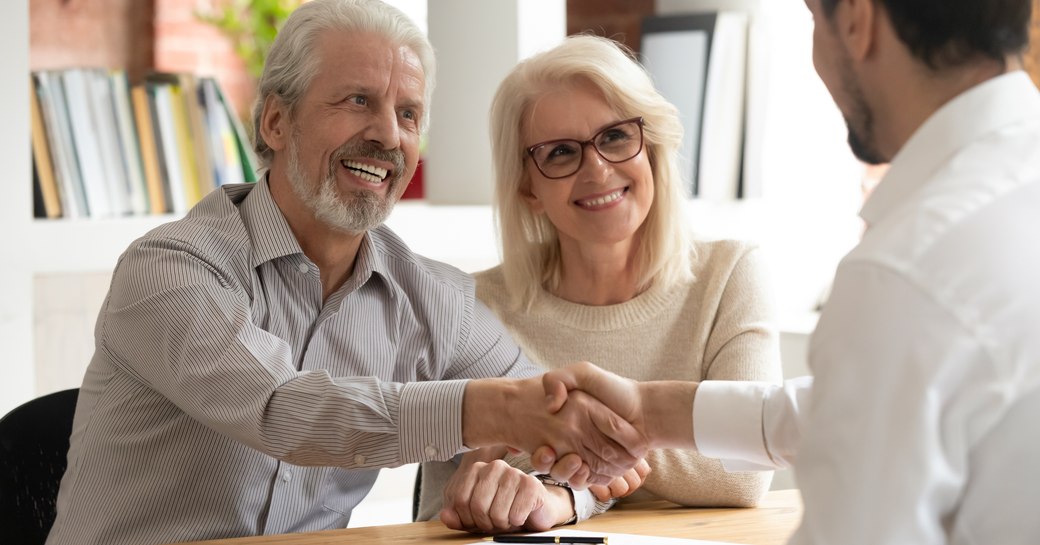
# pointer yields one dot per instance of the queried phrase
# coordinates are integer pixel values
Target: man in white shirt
(919, 428)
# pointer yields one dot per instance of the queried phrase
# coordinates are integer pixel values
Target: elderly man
(257, 361)
(920, 427)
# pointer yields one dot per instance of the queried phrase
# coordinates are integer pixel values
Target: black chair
(34, 442)
(416, 493)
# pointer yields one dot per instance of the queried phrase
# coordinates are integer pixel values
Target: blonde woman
(598, 266)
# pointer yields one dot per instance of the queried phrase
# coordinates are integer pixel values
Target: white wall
(477, 43)
(16, 370)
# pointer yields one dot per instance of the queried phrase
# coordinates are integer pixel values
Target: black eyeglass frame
(591, 141)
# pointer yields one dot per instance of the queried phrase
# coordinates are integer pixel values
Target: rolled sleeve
(727, 423)
(431, 420)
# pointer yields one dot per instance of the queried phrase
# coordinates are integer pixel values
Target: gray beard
(354, 213)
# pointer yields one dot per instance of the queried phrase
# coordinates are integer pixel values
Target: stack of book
(104, 148)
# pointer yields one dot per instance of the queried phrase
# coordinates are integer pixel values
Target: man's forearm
(668, 413)
(483, 405)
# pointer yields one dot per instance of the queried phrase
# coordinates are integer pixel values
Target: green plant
(252, 26)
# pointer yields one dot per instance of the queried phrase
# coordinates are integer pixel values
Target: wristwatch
(549, 481)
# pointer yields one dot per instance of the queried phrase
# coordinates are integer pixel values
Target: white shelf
(459, 235)
(70, 246)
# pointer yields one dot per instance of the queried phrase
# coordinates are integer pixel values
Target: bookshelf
(51, 265)
(84, 244)
(30, 247)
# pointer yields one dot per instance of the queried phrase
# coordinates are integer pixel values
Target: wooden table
(769, 524)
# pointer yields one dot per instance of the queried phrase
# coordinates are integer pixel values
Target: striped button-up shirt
(226, 398)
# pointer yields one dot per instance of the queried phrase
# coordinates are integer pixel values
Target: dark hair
(948, 33)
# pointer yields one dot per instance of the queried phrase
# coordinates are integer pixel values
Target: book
(51, 93)
(39, 208)
(250, 163)
(185, 145)
(196, 135)
(147, 145)
(42, 163)
(162, 97)
(88, 152)
(227, 162)
(103, 120)
(129, 143)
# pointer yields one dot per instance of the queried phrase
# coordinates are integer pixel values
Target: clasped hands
(583, 425)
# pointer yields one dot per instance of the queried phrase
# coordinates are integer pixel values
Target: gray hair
(293, 62)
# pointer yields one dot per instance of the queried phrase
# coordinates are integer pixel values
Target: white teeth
(368, 173)
(600, 201)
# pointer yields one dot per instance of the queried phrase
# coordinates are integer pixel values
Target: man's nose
(383, 129)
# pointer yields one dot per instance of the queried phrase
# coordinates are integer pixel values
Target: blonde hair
(529, 242)
(293, 60)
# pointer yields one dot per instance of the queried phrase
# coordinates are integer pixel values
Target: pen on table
(547, 539)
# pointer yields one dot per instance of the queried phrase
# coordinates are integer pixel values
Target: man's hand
(623, 485)
(515, 413)
(620, 394)
(494, 497)
(662, 411)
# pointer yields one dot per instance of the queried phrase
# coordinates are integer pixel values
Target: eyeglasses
(617, 143)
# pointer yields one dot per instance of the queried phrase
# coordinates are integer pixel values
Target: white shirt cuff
(584, 504)
(727, 423)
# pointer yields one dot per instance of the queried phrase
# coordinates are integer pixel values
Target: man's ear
(856, 22)
(274, 123)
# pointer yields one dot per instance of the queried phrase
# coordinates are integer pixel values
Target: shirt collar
(370, 263)
(987, 107)
(272, 238)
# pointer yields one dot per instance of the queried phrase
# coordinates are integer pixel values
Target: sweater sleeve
(743, 344)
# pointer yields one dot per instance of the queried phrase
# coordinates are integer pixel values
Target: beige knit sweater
(716, 327)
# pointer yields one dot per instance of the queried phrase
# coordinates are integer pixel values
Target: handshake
(581, 424)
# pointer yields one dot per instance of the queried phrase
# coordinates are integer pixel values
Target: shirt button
(431, 451)
(359, 460)
(302, 267)
(287, 475)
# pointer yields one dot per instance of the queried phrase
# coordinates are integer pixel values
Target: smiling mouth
(602, 200)
(369, 173)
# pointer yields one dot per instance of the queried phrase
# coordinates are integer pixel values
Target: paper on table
(625, 539)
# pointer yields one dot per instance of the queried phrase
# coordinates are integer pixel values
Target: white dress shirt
(921, 425)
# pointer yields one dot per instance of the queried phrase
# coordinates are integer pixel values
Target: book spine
(104, 120)
(84, 137)
(157, 203)
(171, 160)
(129, 146)
(52, 94)
(49, 191)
